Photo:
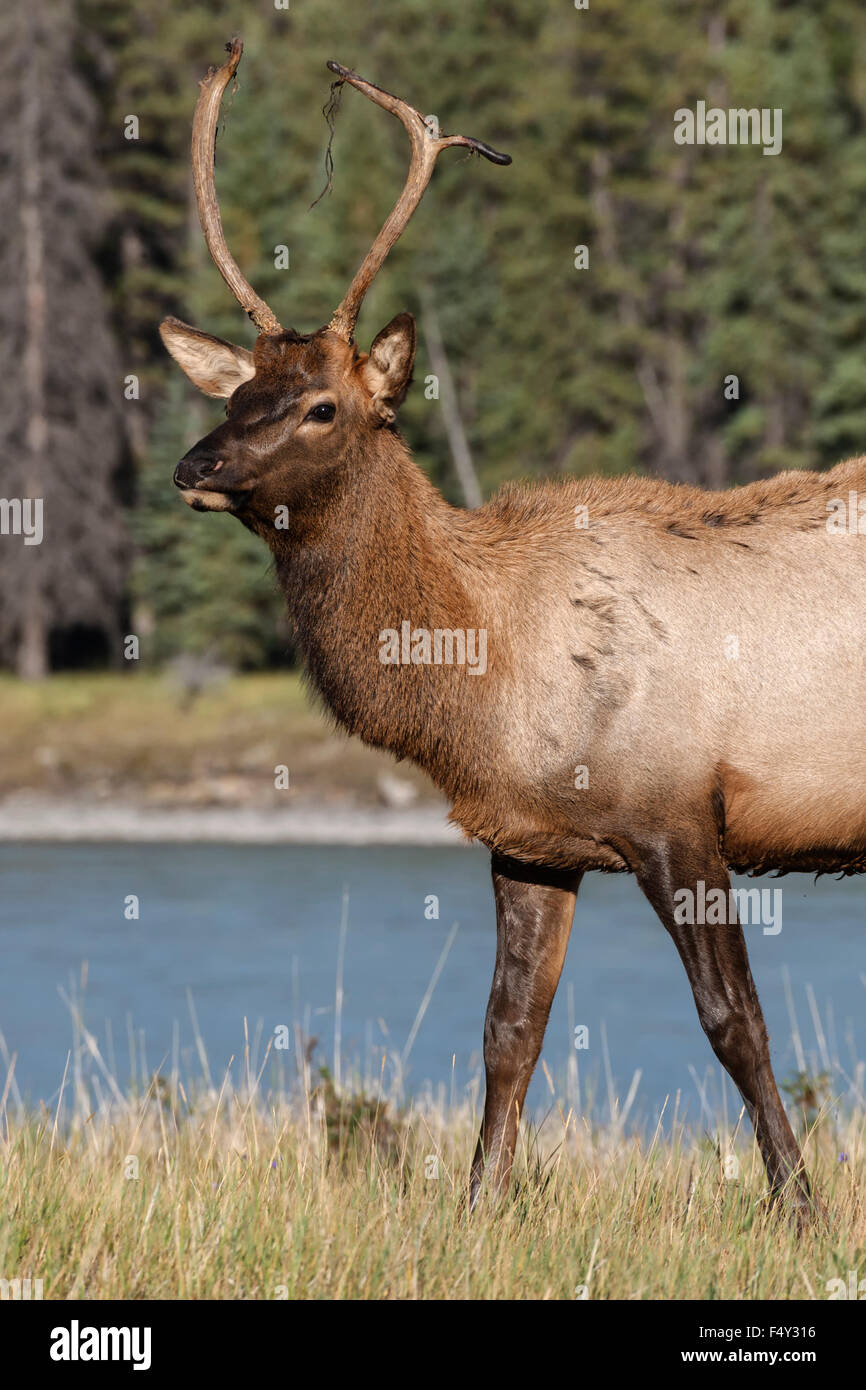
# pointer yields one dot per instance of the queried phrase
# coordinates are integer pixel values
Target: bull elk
(605, 648)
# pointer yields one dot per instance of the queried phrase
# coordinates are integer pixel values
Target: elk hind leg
(717, 965)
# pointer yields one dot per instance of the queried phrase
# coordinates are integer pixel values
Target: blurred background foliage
(704, 262)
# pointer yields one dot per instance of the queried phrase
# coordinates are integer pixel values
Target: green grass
(138, 735)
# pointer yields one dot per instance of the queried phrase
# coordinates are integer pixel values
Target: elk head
(296, 403)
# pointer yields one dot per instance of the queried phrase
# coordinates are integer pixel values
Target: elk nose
(194, 466)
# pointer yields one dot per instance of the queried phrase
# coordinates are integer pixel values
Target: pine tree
(61, 381)
(703, 263)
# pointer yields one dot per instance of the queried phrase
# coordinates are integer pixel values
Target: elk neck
(377, 548)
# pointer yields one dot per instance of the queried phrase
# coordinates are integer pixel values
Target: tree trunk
(32, 654)
(457, 441)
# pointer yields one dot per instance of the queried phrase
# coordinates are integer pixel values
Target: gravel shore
(34, 818)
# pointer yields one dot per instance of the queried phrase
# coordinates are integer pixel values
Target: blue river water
(255, 933)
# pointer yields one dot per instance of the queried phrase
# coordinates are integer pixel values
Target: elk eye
(324, 411)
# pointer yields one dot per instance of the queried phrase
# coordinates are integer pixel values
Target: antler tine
(426, 148)
(204, 126)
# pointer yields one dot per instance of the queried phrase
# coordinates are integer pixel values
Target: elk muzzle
(195, 475)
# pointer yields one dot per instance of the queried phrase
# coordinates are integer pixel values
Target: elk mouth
(207, 500)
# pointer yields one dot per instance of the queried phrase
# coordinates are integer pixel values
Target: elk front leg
(534, 911)
(717, 965)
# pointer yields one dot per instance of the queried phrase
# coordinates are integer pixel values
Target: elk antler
(427, 145)
(204, 125)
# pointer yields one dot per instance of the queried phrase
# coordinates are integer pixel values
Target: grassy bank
(258, 1188)
(327, 1196)
(156, 739)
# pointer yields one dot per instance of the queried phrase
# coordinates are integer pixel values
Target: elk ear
(387, 371)
(216, 367)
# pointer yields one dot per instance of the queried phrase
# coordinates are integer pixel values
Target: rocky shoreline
(30, 817)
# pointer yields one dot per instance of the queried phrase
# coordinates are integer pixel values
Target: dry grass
(310, 1192)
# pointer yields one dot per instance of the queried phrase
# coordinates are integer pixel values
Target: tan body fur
(609, 647)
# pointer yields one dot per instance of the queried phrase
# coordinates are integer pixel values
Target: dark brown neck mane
(378, 547)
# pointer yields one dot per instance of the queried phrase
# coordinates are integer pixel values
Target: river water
(255, 932)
